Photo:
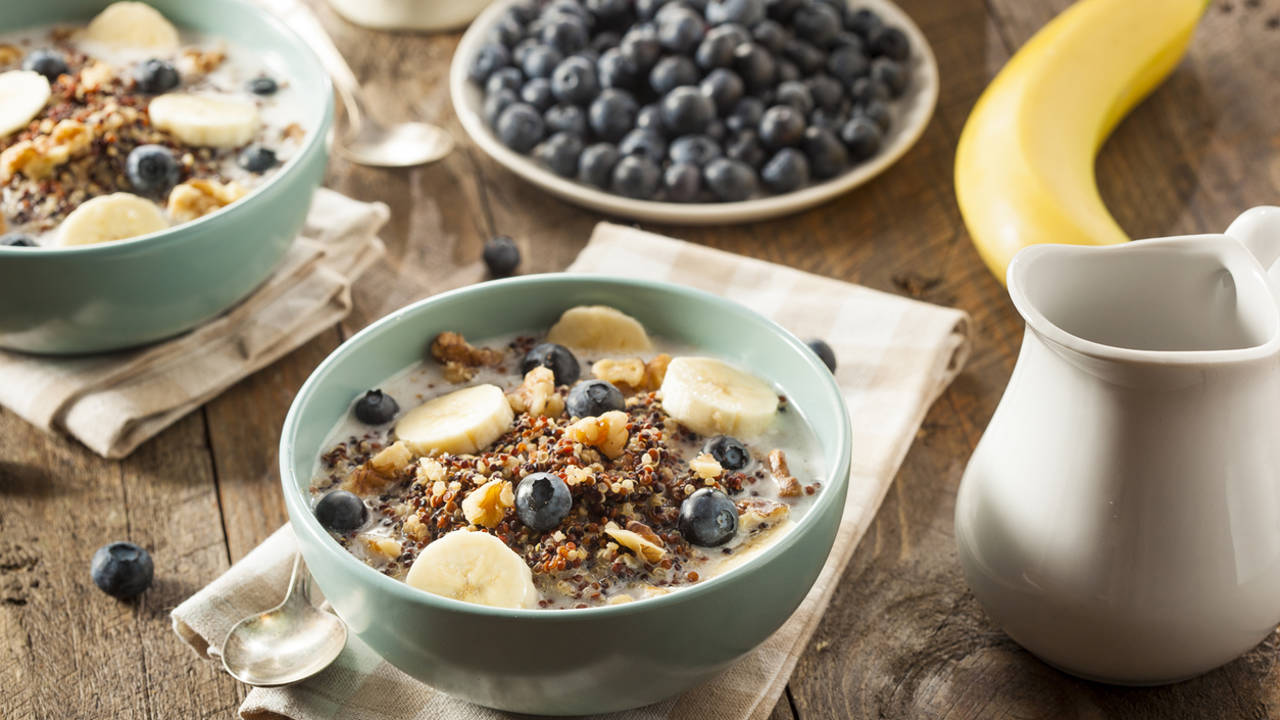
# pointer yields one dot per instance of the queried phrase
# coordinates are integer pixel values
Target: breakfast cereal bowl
(105, 247)
(648, 627)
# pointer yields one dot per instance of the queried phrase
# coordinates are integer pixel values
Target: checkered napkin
(114, 402)
(896, 356)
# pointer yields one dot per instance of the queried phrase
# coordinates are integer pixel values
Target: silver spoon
(290, 642)
(366, 141)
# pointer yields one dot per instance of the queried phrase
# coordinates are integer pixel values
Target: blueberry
(157, 76)
(716, 50)
(746, 114)
(890, 74)
(650, 118)
(152, 169)
(682, 182)
(496, 102)
(506, 32)
(742, 12)
(560, 153)
(672, 72)
(256, 158)
(15, 239)
(509, 78)
(540, 61)
(523, 11)
(501, 255)
(771, 35)
(612, 114)
(566, 118)
(755, 65)
(781, 126)
(566, 34)
(48, 63)
(696, 150)
(593, 398)
(787, 72)
(865, 90)
(520, 127)
(878, 112)
(557, 358)
(605, 41)
(122, 570)
(647, 9)
(644, 143)
(615, 69)
(636, 177)
(862, 137)
(729, 452)
(787, 170)
(542, 501)
(574, 81)
(262, 85)
(889, 42)
(826, 91)
(824, 351)
(816, 23)
(806, 57)
(376, 408)
(595, 165)
(489, 58)
(537, 92)
(864, 22)
(686, 110)
(717, 131)
(730, 180)
(847, 64)
(572, 8)
(782, 10)
(520, 53)
(708, 518)
(640, 46)
(341, 511)
(827, 156)
(796, 94)
(680, 32)
(724, 87)
(745, 148)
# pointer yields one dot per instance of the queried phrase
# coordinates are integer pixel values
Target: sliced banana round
(474, 567)
(712, 397)
(599, 327)
(132, 24)
(205, 120)
(23, 95)
(463, 421)
(117, 216)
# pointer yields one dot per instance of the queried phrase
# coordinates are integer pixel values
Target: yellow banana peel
(1024, 166)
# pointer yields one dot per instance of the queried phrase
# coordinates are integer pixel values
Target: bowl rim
(318, 135)
(770, 206)
(835, 480)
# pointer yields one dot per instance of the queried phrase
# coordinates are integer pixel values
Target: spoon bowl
(404, 144)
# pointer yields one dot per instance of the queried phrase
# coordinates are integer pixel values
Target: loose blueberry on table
(777, 94)
(501, 256)
(122, 569)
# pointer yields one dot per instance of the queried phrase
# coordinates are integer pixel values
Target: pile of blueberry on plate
(693, 101)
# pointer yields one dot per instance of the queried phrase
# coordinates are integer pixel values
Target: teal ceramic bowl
(118, 295)
(569, 662)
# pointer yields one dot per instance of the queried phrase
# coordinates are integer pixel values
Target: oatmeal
(523, 473)
(127, 126)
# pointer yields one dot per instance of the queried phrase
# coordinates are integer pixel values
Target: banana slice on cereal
(474, 567)
(599, 327)
(463, 421)
(23, 95)
(107, 218)
(205, 120)
(712, 397)
(132, 24)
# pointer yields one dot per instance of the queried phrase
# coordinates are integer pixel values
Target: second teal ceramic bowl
(569, 662)
(118, 295)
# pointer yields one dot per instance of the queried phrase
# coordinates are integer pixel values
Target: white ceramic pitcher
(1120, 517)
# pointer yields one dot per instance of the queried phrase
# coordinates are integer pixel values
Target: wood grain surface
(903, 638)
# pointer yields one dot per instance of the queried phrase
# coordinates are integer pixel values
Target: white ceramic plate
(911, 114)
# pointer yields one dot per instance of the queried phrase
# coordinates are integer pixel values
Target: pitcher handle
(1258, 229)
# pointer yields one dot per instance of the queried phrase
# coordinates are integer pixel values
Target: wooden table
(903, 637)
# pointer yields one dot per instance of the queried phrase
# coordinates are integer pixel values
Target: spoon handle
(302, 21)
(299, 591)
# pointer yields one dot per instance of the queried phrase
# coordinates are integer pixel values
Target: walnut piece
(706, 467)
(788, 486)
(756, 511)
(200, 62)
(384, 546)
(487, 504)
(392, 459)
(96, 74)
(37, 158)
(537, 395)
(459, 357)
(197, 198)
(10, 55)
(607, 433)
(632, 375)
(650, 550)
(414, 528)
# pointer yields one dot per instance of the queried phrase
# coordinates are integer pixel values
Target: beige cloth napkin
(114, 402)
(895, 357)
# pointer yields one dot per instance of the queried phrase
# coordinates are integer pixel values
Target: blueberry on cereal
(542, 501)
(156, 76)
(376, 408)
(48, 63)
(708, 518)
(501, 256)
(729, 452)
(257, 158)
(824, 351)
(557, 358)
(341, 511)
(14, 239)
(152, 169)
(122, 569)
(263, 85)
(593, 398)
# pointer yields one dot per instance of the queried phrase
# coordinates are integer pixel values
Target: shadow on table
(29, 480)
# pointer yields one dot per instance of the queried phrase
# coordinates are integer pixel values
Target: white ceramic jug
(1120, 517)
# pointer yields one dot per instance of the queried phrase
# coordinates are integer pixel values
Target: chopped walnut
(364, 480)
(706, 467)
(10, 55)
(788, 486)
(650, 550)
(292, 131)
(459, 357)
(95, 75)
(383, 546)
(197, 198)
(429, 471)
(633, 374)
(756, 511)
(37, 158)
(537, 395)
(200, 62)
(414, 528)
(607, 433)
(488, 503)
(392, 459)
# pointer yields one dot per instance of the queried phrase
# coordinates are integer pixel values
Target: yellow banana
(1024, 165)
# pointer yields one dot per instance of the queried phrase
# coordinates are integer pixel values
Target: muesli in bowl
(126, 126)
(583, 466)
